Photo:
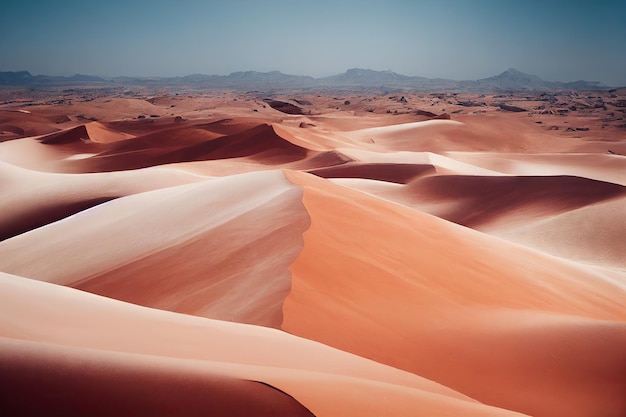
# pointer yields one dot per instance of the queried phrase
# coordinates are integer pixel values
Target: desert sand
(207, 254)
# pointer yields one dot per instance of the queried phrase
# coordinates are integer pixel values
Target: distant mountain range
(509, 80)
(26, 78)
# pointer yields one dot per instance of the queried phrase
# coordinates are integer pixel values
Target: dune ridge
(182, 268)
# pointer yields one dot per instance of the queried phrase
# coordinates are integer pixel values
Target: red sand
(341, 262)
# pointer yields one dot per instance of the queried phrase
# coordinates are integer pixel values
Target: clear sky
(458, 39)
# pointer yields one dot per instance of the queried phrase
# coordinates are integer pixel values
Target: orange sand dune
(494, 133)
(571, 217)
(219, 248)
(476, 201)
(231, 126)
(319, 139)
(18, 123)
(434, 136)
(601, 167)
(143, 151)
(31, 199)
(593, 233)
(190, 354)
(163, 140)
(396, 173)
(73, 151)
(77, 134)
(477, 314)
(101, 133)
(101, 385)
(261, 143)
(442, 164)
(31, 154)
(93, 131)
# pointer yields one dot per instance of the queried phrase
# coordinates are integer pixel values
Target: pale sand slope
(506, 325)
(601, 167)
(219, 248)
(168, 357)
(441, 164)
(398, 167)
(31, 154)
(30, 199)
(490, 133)
(593, 234)
(527, 210)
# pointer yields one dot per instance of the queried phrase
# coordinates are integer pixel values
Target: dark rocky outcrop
(508, 107)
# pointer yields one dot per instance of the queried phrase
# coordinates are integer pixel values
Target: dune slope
(158, 350)
(220, 248)
(479, 315)
(31, 199)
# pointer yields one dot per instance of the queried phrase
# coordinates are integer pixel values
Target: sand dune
(261, 143)
(396, 173)
(577, 218)
(31, 199)
(192, 354)
(442, 164)
(354, 260)
(139, 387)
(601, 226)
(94, 132)
(601, 167)
(454, 135)
(19, 123)
(205, 259)
(478, 201)
(442, 319)
(56, 152)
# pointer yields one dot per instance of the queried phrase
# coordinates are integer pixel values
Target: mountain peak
(514, 79)
(512, 71)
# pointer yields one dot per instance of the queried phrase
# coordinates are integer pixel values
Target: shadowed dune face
(138, 389)
(481, 200)
(260, 143)
(396, 173)
(358, 259)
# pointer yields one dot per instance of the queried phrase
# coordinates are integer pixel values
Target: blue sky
(458, 39)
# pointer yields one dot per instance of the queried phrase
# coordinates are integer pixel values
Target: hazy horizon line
(299, 75)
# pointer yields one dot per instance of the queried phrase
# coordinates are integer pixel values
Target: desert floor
(183, 253)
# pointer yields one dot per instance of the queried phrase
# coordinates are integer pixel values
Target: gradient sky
(470, 39)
